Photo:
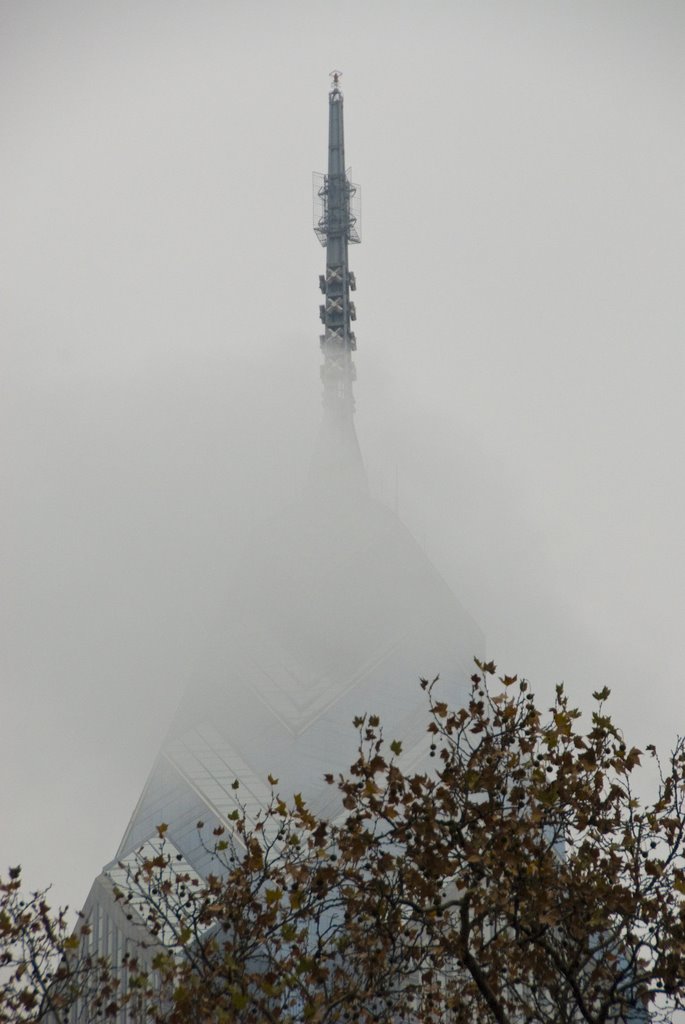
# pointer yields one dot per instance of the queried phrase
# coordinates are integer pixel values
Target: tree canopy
(509, 875)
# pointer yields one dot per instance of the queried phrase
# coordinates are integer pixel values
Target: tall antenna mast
(337, 224)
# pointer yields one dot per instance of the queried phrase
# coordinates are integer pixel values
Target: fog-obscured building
(336, 611)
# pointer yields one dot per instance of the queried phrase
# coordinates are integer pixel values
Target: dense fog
(520, 358)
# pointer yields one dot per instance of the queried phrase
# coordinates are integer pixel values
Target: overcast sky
(520, 357)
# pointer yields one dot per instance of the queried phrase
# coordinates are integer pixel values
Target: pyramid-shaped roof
(337, 612)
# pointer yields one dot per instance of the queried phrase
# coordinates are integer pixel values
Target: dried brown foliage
(516, 878)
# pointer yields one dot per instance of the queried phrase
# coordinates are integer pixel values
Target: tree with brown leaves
(513, 877)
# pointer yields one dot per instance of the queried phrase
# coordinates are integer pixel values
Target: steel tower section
(336, 223)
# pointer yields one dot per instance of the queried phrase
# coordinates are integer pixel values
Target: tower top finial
(335, 75)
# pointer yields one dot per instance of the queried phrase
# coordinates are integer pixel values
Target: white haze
(520, 356)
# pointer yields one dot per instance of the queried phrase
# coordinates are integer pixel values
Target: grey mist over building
(520, 359)
(333, 610)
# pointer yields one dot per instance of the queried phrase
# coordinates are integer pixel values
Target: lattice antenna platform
(353, 218)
